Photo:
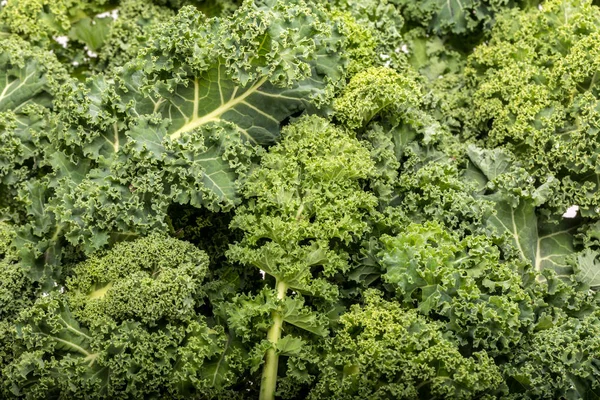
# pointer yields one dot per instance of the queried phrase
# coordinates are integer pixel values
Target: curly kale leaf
(484, 299)
(376, 33)
(17, 292)
(373, 91)
(30, 79)
(560, 362)
(587, 269)
(535, 94)
(456, 17)
(151, 280)
(208, 7)
(543, 240)
(384, 351)
(305, 206)
(86, 37)
(305, 198)
(126, 324)
(181, 123)
(38, 20)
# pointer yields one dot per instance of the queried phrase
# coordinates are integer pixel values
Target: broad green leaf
(216, 371)
(543, 245)
(289, 345)
(297, 314)
(491, 162)
(255, 110)
(554, 245)
(21, 84)
(63, 330)
(455, 11)
(588, 268)
(521, 224)
(66, 168)
(450, 13)
(365, 274)
(92, 32)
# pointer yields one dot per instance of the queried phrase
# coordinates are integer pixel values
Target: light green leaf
(92, 32)
(63, 330)
(66, 168)
(297, 314)
(451, 13)
(218, 371)
(256, 110)
(543, 245)
(289, 345)
(20, 85)
(588, 268)
(491, 162)
(520, 223)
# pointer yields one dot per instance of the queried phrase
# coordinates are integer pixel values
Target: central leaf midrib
(516, 235)
(70, 344)
(4, 94)
(220, 360)
(196, 121)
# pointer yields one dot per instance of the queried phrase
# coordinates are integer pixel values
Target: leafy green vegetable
(484, 300)
(306, 206)
(456, 16)
(131, 309)
(176, 124)
(535, 95)
(546, 243)
(557, 362)
(588, 268)
(29, 81)
(294, 199)
(383, 343)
